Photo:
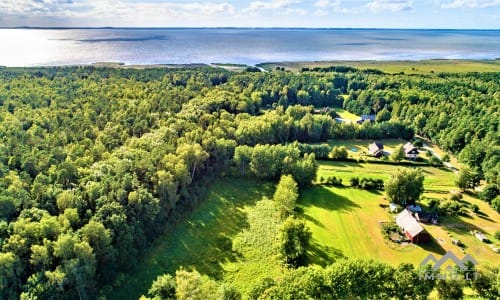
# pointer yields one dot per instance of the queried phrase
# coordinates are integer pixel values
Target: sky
(473, 14)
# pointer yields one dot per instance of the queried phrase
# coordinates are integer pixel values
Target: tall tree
(398, 153)
(294, 240)
(405, 186)
(467, 178)
(285, 196)
(193, 155)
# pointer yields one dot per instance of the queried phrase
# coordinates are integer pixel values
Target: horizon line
(238, 27)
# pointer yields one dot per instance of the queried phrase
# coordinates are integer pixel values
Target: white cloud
(112, 8)
(52, 8)
(296, 11)
(470, 3)
(324, 7)
(270, 5)
(390, 5)
(322, 3)
(328, 4)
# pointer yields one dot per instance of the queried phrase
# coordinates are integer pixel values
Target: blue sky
(253, 13)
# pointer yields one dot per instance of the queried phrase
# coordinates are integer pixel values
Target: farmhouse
(412, 229)
(411, 151)
(370, 118)
(376, 149)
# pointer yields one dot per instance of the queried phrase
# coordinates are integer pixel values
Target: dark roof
(408, 147)
(375, 148)
(364, 118)
(368, 117)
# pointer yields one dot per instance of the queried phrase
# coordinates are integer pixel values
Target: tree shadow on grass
(325, 198)
(311, 219)
(433, 246)
(202, 240)
(459, 226)
(375, 192)
(207, 240)
(425, 171)
(484, 216)
(322, 255)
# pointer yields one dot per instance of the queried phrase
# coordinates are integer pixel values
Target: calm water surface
(31, 47)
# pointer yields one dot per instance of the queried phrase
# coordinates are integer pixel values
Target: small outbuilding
(411, 151)
(480, 236)
(364, 118)
(411, 228)
(376, 149)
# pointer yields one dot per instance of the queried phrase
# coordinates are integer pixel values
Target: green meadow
(407, 67)
(346, 222)
(236, 213)
(232, 235)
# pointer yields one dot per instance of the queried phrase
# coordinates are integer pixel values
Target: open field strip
(408, 67)
(345, 221)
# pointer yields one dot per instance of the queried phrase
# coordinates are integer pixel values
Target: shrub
(354, 182)
(433, 204)
(495, 203)
(449, 207)
(474, 208)
(390, 227)
(456, 197)
(435, 161)
(334, 181)
(489, 192)
(463, 211)
(228, 292)
(294, 238)
(418, 143)
(338, 153)
(497, 235)
(450, 289)
(371, 184)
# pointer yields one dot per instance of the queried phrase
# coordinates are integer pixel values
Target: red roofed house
(412, 229)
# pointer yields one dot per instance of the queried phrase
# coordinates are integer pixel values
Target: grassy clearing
(361, 146)
(344, 114)
(232, 235)
(204, 240)
(408, 67)
(257, 248)
(438, 181)
(345, 221)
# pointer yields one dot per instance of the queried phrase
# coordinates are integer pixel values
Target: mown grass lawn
(232, 235)
(346, 115)
(437, 180)
(358, 148)
(203, 241)
(345, 221)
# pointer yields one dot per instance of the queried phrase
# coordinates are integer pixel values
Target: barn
(412, 229)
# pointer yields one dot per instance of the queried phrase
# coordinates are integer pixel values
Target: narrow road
(446, 164)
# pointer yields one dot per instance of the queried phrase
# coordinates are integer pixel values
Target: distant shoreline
(389, 66)
(397, 66)
(256, 28)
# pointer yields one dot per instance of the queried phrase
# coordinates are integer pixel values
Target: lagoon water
(34, 47)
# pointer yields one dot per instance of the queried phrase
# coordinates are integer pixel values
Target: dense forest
(97, 162)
